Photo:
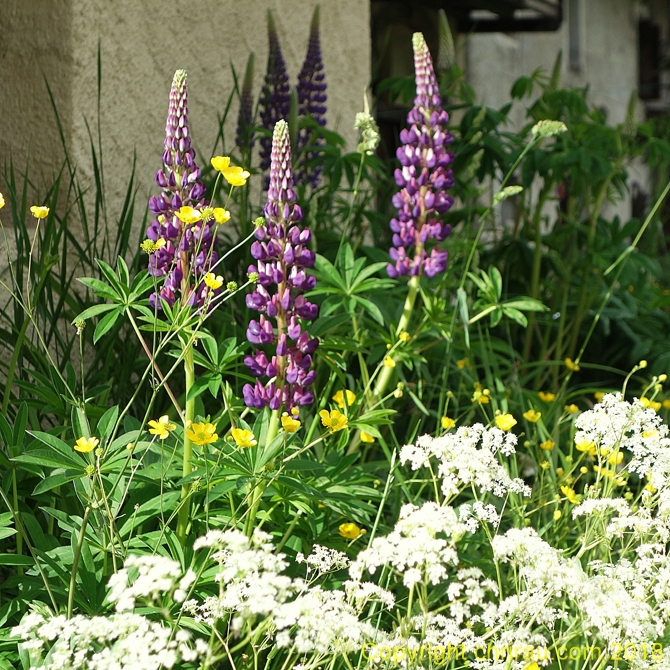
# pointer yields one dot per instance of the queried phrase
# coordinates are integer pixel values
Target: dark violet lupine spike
(275, 98)
(189, 250)
(311, 101)
(423, 178)
(244, 137)
(282, 258)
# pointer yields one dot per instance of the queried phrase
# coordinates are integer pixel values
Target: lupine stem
(187, 465)
(410, 300)
(256, 494)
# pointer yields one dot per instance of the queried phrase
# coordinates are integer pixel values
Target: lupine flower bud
(282, 257)
(185, 252)
(311, 101)
(244, 137)
(274, 103)
(423, 177)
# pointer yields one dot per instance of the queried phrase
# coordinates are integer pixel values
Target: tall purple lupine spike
(275, 98)
(188, 252)
(282, 259)
(311, 101)
(423, 177)
(244, 137)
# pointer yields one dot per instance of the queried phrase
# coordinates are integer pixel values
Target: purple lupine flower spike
(244, 137)
(311, 101)
(188, 252)
(275, 98)
(423, 177)
(282, 258)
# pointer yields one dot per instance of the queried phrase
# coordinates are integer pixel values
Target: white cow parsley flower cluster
(253, 589)
(615, 424)
(611, 602)
(468, 457)
(323, 560)
(148, 578)
(413, 548)
(119, 642)
(595, 505)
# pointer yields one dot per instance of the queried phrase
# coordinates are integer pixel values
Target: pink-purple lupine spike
(311, 103)
(275, 97)
(282, 258)
(423, 178)
(189, 252)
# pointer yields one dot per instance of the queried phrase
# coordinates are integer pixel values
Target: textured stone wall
(142, 44)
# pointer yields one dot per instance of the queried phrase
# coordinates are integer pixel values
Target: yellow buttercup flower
(505, 421)
(339, 397)
(462, 363)
(334, 420)
(571, 365)
(366, 437)
(220, 214)
(39, 212)
(655, 405)
(162, 427)
(202, 433)
(570, 494)
(213, 281)
(86, 444)
(389, 362)
(2, 201)
(532, 415)
(447, 423)
(546, 396)
(188, 215)
(599, 395)
(351, 531)
(583, 469)
(615, 458)
(651, 488)
(649, 433)
(289, 424)
(547, 445)
(571, 409)
(557, 515)
(404, 337)
(235, 176)
(666, 404)
(545, 465)
(243, 438)
(584, 445)
(150, 247)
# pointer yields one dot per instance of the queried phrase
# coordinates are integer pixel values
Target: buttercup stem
(75, 562)
(187, 466)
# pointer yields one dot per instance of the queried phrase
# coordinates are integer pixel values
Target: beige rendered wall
(608, 64)
(142, 44)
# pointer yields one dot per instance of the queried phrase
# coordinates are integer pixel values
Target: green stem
(75, 562)
(187, 465)
(256, 494)
(386, 373)
(19, 537)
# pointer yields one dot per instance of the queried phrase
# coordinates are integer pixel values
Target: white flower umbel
(468, 457)
(323, 560)
(148, 578)
(615, 424)
(413, 548)
(320, 621)
(119, 642)
(596, 505)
